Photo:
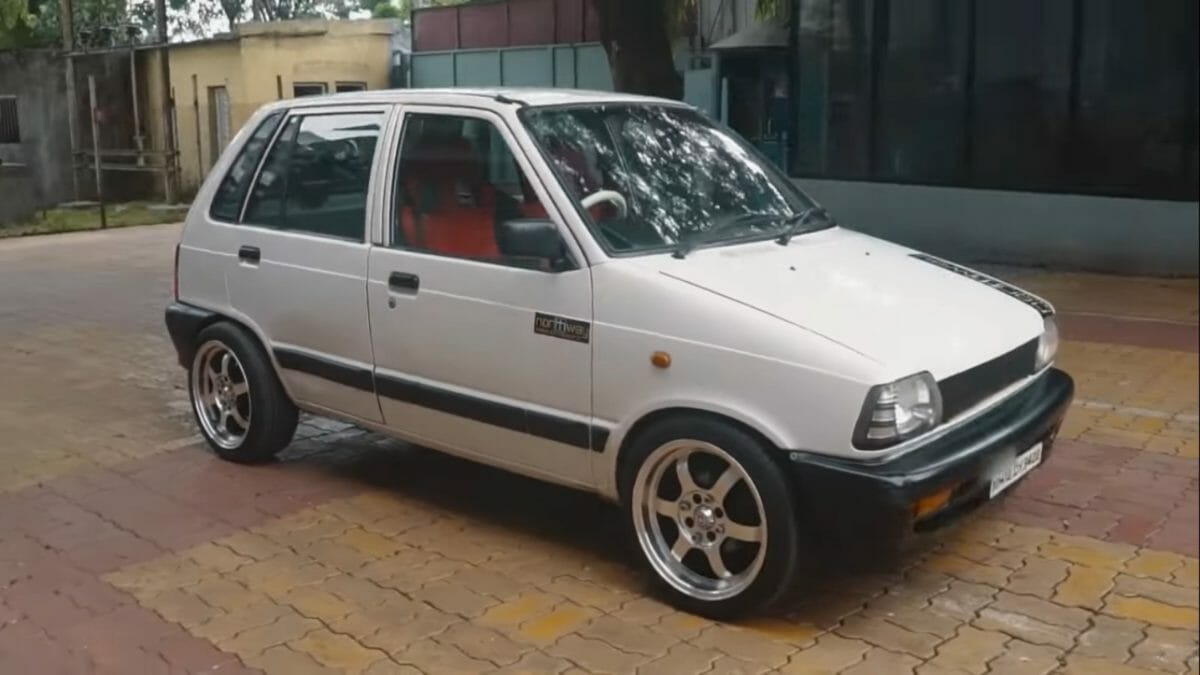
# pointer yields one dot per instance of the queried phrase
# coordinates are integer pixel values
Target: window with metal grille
(10, 131)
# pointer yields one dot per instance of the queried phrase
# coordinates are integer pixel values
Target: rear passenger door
(301, 247)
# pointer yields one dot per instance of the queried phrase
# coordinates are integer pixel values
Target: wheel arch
(624, 439)
(185, 335)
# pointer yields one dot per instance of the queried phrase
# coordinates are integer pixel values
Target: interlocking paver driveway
(125, 547)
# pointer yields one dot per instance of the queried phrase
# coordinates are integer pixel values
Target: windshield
(649, 177)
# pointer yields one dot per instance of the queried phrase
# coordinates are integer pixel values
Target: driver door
(474, 353)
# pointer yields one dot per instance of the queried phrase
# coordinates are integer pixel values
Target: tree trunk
(636, 39)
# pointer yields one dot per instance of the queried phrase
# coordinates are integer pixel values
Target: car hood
(868, 295)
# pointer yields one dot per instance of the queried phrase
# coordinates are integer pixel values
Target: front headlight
(897, 411)
(1047, 344)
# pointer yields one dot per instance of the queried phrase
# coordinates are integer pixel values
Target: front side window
(316, 176)
(650, 177)
(227, 203)
(456, 182)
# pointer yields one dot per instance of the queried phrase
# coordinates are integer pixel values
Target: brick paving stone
(254, 641)
(537, 663)
(744, 645)
(1156, 590)
(389, 667)
(483, 644)
(890, 636)
(1154, 564)
(1165, 649)
(684, 659)
(565, 618)
(1023, 658)
(1152, 612)
(1038, 576)
(962, 599)
(969, 650)
(596, 656)
(1085, 586)
(626, 636)
(830, 654)
(1110, 638)
(226, 626)
(882, 661)
(727, 665)
(285, 660)
(336, 651)
(393, 631)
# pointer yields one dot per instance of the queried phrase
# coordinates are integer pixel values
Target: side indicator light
(660, 359)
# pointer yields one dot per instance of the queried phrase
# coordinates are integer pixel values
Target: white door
(475, 353)
(302, 256)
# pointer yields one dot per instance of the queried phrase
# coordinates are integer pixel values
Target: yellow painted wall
(258, 62)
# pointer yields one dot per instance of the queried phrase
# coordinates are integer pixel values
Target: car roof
(495, 96)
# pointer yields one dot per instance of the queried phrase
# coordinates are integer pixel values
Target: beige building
(218, 83)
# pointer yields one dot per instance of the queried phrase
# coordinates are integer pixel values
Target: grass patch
(52, 221)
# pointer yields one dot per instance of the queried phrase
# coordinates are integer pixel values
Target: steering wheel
(606, 196)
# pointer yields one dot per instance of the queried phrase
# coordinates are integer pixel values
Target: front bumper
(865, 501)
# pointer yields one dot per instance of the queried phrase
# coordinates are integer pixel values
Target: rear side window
(316, 176)
(227, 204)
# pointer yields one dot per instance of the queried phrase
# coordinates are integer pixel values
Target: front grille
(962, 391)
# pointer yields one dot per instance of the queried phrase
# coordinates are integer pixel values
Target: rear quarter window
(227, 203)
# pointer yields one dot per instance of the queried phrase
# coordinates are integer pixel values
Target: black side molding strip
(349, 376)
(503, 415)
(506, 416)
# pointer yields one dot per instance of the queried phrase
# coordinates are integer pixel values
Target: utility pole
(67, 19)
(168, 104)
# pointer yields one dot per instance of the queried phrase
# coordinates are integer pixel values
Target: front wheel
(237, 398)
(713, 517)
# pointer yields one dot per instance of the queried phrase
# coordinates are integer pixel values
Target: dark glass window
(302, 89)
(10, 130)
(1095, 97)
(227, 203)
(1135, 126)
(922, 76)
(1021, 94)
(316, 176)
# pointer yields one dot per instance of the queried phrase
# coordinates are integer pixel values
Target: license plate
(1012, 472)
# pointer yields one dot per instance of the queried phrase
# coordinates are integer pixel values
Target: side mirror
(532, 238)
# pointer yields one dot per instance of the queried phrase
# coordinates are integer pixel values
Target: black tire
(782, 561)
(273, 416)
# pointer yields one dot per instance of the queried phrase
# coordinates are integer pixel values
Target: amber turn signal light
(932, 502)
(660, 359)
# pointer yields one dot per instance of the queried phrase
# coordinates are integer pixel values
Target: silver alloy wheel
(221, 394)
(698, 512)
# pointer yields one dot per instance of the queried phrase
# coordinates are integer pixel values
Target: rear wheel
(237, 398)
(712, 516)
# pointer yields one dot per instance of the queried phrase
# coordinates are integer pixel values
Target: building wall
(1061, 231)
(261, 64)
(37, 79)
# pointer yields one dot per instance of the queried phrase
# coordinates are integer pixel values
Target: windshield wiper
(685, 246)
(795, 222)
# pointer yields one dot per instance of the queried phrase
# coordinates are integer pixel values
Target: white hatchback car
(613, 293)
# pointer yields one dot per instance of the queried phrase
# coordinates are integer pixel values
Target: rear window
(227, 203)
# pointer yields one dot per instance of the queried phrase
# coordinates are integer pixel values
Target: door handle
(250, 254)
(402, 282)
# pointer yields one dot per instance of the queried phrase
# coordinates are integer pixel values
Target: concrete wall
(38, 81)
(1100, 234)
(17, 199)
(258, 62)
